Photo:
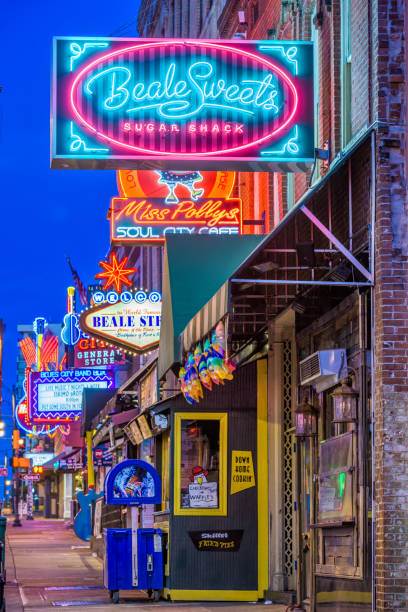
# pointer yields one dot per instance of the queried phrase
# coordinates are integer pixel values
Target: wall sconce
(344, 401)
(306, 419)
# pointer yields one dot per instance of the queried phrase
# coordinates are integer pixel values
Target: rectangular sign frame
(84, 376)
(136, 221)
(180, 104)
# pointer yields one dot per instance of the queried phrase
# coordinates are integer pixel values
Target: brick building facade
(361, 117)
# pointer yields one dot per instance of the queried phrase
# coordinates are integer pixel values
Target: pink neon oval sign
(178, 98)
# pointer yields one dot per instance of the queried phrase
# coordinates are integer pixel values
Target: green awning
(195, 267)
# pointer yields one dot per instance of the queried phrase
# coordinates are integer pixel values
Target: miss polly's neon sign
(140, 219)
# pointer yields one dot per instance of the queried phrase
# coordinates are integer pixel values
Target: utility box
(133, 560)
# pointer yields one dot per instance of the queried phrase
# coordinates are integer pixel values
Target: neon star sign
(183, 104)
(115, 273)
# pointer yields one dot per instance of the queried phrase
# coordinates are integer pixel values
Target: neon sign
(147, 219)
(56, 397)
(131, 322)
(182, 104)
(115, 272)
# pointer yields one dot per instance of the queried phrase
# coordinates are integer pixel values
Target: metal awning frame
(362, 276)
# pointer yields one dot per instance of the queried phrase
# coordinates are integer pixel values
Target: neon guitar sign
(182, 104)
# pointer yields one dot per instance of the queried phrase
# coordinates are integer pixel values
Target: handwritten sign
(242, 471)
(203, 495)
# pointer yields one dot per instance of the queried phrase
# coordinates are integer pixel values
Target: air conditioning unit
(322, 369)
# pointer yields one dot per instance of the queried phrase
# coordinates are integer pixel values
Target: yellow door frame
(222, 417)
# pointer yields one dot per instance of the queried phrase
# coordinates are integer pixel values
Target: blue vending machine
(133, 556)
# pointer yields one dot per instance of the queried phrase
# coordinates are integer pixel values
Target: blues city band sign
(182, 104)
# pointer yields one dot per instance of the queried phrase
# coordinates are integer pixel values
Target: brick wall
(390, 310)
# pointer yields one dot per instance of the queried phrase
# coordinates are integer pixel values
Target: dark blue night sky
(45, 213)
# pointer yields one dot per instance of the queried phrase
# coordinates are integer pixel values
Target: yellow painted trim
(91, 472)
(222, 417)
(182, 595)
(262, 475)
(344, 596)
(166, 593)
(165, 472)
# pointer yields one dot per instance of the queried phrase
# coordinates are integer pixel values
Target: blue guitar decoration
(83, 520)
(71, 332)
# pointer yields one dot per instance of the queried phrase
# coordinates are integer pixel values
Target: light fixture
(2, 433)
(306, 419)
(344, 402)
(2, 424)
(306, 254)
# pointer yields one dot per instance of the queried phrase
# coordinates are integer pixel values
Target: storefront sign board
(217, 541)
(133, 433)
(182, 104)
(154, 204)
(132, 325)
(57, 396)
(90, 352)
(144, 427)
(242, 471)
(149, 389)
(132, 482)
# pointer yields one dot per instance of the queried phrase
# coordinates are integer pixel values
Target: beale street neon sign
(190, 203)
(182, 104)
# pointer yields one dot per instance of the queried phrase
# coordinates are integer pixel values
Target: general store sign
(89, 352)
(182, 104)
(132, 323)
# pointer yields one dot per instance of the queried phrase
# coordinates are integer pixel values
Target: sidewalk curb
(12, 588)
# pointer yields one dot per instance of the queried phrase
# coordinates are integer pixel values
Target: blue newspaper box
(133, 556)
(133, 559)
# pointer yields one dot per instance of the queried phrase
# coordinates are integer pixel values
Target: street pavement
(48, 568)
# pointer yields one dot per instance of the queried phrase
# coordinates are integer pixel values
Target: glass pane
(199, 469)
(335, 490)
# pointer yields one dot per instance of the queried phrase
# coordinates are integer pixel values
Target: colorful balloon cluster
(205, 367)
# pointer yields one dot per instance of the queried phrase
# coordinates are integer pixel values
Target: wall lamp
(345, 400)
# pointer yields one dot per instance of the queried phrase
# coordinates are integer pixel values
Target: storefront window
(200, 464)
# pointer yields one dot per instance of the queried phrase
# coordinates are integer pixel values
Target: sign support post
(91, 473)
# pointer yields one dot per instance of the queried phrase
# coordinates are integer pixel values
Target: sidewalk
(48, 567)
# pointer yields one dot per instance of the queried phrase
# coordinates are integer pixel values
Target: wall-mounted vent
(322, 369)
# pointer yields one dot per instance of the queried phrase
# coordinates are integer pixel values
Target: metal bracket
(337, 244)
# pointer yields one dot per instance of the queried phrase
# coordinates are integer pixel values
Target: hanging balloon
(192, 379)
(201, 364)
(208, 354)
(183, 385)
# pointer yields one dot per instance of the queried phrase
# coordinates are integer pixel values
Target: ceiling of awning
(317, 255)
(195, 267)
